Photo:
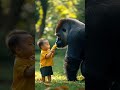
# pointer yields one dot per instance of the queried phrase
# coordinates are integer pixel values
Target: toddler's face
(46, 45)
(26, 46)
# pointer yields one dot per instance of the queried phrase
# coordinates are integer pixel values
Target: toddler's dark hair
(13, 39)
(40, 42)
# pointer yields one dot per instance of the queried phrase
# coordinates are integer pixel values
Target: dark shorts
(46, 71)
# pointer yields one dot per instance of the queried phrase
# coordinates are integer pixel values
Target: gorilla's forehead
(63, 21)
(59, 25)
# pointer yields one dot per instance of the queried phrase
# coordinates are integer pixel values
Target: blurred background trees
(50, 11)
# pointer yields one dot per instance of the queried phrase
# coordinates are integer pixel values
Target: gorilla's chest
(75, 45)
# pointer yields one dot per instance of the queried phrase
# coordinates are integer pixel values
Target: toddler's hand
(54, 47)
(52, 51)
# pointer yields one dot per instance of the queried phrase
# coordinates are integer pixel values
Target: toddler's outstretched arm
(51, 52)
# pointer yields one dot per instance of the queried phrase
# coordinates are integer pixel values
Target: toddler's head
(43, 44)
(20, 43)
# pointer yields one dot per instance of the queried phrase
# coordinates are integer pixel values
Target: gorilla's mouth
(60, 41)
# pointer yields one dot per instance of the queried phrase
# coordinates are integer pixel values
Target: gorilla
(103, 45)
(71, 33)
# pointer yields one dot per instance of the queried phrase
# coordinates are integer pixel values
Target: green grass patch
(58, 78)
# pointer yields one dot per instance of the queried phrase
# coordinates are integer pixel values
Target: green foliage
(39, 14)
(81, 10)
(59, 9)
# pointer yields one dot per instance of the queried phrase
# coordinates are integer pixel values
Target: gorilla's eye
(64, 30)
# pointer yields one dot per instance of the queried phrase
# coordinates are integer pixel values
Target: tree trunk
(44, 4)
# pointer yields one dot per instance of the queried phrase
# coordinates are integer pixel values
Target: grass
(59, 78)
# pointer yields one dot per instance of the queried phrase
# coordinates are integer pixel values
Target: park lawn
(59, 78)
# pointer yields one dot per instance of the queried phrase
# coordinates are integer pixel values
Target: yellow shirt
(20, 82)
(45, 62)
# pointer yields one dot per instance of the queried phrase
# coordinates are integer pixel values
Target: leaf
(82, 77)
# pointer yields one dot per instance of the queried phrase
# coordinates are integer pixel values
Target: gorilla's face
(62, 35)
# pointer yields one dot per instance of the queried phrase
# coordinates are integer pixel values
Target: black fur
(103, 48)
(76, 43)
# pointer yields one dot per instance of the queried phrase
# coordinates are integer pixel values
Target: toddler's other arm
(53, 53)
(30, 71)
(49, 54)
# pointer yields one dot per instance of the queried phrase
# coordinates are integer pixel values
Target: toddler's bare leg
(43, 79)
(49, 78)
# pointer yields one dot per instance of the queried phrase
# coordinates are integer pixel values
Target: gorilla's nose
(58, 39)
(58, 42)
(57, 34)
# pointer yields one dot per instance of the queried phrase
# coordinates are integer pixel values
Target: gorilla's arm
(76, 44)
